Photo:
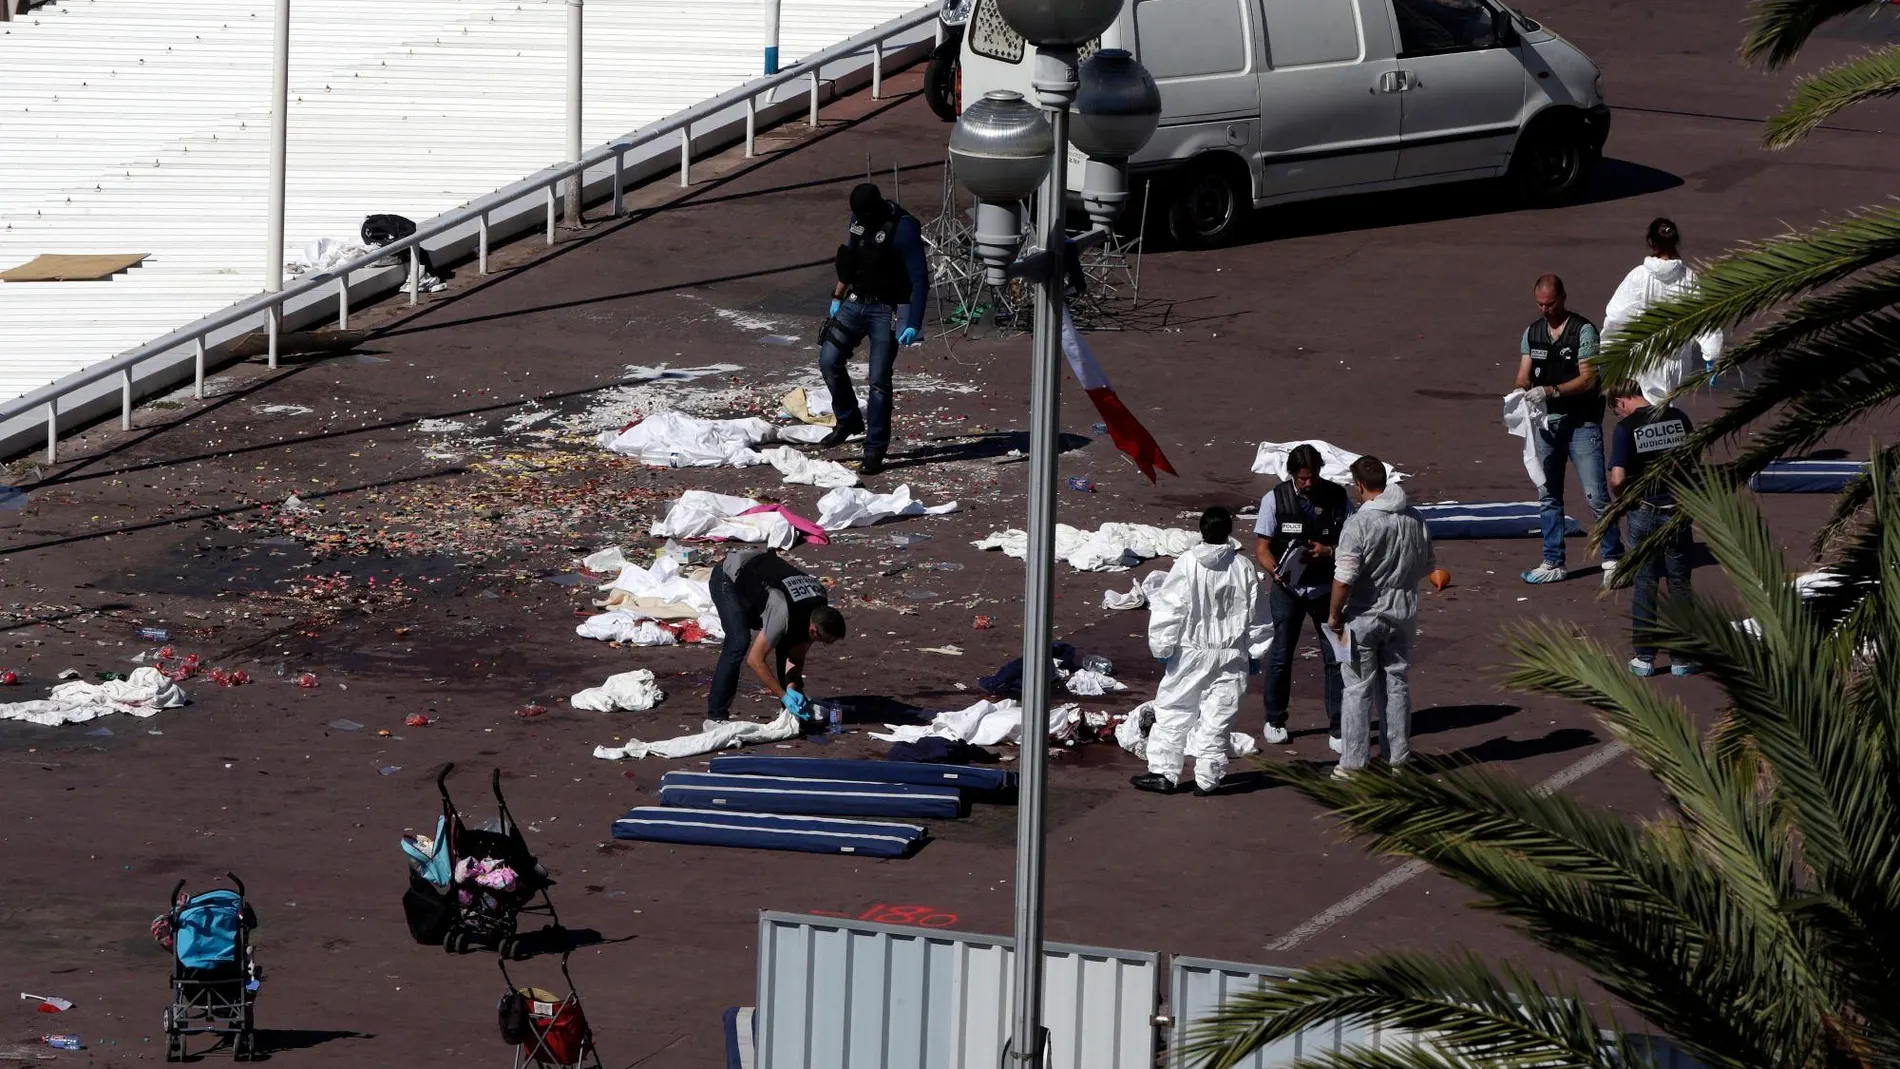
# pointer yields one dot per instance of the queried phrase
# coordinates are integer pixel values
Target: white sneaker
(1274, 736)
(1545, 573)
(1338, 746)
(1609, 573)
(1340, 772)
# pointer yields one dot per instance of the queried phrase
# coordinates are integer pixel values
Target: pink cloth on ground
(812, 532)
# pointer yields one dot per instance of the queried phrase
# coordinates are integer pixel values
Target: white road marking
(1378, 888)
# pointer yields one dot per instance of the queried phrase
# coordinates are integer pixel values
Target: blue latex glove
(835, 302)
(907, 336)
(795, 704)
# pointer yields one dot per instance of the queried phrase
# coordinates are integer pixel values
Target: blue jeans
(732, 651)
(853, 323)
(1581, 443)
(1674, 562)
(1288, 612)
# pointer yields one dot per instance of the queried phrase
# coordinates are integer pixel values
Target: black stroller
(214, 976)
(469, 886)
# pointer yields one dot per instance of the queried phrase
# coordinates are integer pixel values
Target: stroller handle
(171, 903)
(495, 782)
(235, 882)
(442, 780)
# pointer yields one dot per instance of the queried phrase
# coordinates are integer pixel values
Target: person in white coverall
(1384, 554)
(1662, 276)
(1206, 625)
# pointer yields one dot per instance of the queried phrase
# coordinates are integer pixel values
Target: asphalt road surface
(451, 463)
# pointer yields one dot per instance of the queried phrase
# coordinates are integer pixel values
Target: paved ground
(1385, 325)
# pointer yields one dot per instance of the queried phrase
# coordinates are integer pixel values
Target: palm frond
(1751, 281)
(1455, 1006)
(1778, 28)
(1851, 503)
(1819, 96)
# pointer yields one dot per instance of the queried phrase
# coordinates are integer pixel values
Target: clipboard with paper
(1340, 641)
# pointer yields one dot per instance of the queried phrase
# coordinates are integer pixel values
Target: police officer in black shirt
(1645, 433)
(1298, 526)
(882, 278)
(771, 613)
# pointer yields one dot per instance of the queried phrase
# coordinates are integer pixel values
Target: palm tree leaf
(1819, 96)
(1834, 539)
(1778, 28)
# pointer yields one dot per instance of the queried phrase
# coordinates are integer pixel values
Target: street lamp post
(1004, 149)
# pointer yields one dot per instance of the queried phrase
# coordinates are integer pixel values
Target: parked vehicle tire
(1553, 161)
(942, 82)
(1209, 203)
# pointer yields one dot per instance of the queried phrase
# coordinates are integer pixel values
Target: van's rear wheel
(1209, 204)
(940, 76)
(1553, 160)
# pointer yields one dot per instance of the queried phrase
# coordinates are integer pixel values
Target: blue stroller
(214, 975)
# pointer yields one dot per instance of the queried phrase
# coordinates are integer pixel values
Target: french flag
(1124, 429)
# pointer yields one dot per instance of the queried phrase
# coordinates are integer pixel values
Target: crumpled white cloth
(1114, 547)
(669, 439)
(664, 581)
(631, 692)
(632, 628)
(601, 561)
(1335, 463)
(986, 723)
(704, 514)
(858, 507)
(324, 254)
(1084, 683)
(1132, 734)
(729, 736)
(1136, 598)
(143, 693)
(796, 467)
(1524, 416)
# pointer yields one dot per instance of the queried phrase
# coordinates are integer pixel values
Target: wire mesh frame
(1109, 299)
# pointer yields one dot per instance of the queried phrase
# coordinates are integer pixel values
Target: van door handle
(1389, 82)
(1405, 80)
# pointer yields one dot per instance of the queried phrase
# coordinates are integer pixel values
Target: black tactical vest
(767, 572)
(1292, 524)
(1555, 361)
(870, 265)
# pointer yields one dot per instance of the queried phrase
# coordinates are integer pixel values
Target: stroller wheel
(506, 948)
(245, 1048)
(175, 1048)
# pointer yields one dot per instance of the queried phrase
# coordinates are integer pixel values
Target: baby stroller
(469, 886)
(214, 976)
(545, 1029)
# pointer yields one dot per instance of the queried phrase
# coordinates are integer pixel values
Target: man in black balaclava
(881, 279)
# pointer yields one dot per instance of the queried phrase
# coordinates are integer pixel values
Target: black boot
(1155, 782)
(872, 464)
(840, 433)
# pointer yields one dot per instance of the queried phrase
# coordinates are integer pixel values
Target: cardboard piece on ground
(59, 267)
(800, 408)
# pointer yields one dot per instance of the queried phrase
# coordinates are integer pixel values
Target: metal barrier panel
(1197, 987)
(855, 995)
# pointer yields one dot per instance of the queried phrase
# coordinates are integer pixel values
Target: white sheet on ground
(1524, 416)
(798, 468)
(325, 254)
(1335, 463)
(669, 439)
(728, 736)
(143, 693)
(1114, 547)
(629, 692)
(605, 560)
(986, 723)
(1084, 683)
(704, 514)
(664, 580)
(858, 507)
(1136, 598)
(1132, 734)
(661, 591)
(633, 628)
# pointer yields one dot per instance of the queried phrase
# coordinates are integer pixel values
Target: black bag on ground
(428, 911)
(380, 230)
(512, 1015)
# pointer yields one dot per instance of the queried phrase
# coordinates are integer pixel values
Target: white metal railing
(479, 211)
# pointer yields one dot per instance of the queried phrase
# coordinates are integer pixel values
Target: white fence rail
(605, 172)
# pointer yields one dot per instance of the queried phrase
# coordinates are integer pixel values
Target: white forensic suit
(1384, 553)
(1659, 280)
(1204, 623)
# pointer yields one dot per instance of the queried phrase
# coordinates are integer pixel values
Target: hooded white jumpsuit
(1204, 623)
(1659, 280)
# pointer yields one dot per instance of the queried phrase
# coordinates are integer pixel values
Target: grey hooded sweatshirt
(1384, 554)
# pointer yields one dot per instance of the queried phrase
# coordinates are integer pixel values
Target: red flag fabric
(1124, 429)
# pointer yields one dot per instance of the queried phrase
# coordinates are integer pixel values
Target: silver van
(1273, 101)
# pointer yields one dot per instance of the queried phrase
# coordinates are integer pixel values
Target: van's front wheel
(1553, 160)
(1209, 205)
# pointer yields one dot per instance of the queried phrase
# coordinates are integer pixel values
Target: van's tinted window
(1184, 38)
(1428, 26)
(1303, 32)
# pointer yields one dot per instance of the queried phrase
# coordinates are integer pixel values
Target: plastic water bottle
(1095, 662)
(1082, 484)
(834, 717)
(62, 1042)
(156, 634)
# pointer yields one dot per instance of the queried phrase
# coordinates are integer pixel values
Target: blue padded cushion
(867, 770)
(1487, 519)
(814, 797)
(767, 831)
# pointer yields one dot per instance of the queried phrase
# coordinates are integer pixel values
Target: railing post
(751, 126)
(415, 273)
(550, 192)
(271, 315)
(52, 431)
(771, 36)
(620, 165)
(481, 245)
(686, 155)
(877, 70)
(198, 368)
(125, 399)
(343, 301)
(813, 119)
